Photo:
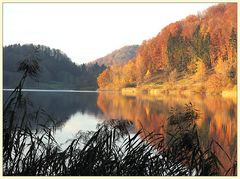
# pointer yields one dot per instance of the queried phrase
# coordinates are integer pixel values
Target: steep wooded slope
(202, 46)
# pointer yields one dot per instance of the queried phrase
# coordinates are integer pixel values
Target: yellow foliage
(200, 70)
(222, 67)
(172, 76)
(217, 82)
(221, 80)
(147, 75)
(192, 67)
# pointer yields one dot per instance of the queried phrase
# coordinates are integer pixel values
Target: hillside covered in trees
(198, 53)
(57, 71)
(119, 56)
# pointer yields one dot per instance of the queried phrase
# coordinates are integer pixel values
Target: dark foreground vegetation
(111, 150)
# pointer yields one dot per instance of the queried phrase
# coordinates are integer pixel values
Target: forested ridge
(201, 48)
(57, 71)
(119, 56)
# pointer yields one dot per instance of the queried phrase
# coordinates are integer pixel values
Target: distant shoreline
(52, 90)
(59, 91)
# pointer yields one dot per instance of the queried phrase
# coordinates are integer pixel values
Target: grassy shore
(187, 86)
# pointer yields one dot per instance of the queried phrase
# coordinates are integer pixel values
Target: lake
(83, 110)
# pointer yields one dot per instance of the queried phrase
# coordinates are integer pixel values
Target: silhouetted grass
(111, 150)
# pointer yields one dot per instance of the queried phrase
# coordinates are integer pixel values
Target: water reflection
(218, 116)
(82, 111)
(76, 122)
(64, 106)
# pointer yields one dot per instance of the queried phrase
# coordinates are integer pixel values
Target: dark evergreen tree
(178, 52)
(233, 39)
(201, 46)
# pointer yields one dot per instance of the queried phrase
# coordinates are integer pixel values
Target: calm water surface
(75, 110)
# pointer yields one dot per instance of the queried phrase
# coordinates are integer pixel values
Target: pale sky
(87, 31)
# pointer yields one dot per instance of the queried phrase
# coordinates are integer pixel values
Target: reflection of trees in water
(217, 116)
(223, 124)
(61, 106)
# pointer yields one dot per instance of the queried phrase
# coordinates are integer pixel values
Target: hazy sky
(86, 31)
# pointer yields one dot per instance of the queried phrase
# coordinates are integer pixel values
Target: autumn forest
(198, 53)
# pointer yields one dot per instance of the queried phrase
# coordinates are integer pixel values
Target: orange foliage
(217, 82)
(189, 26)
(104, 78)
(218, 22)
